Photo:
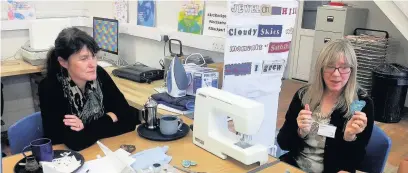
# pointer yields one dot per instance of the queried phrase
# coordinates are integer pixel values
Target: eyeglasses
(342, 70)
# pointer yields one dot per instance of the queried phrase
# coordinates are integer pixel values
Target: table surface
(181, 149)
(17, 67)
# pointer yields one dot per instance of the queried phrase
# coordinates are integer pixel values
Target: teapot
(149, 113)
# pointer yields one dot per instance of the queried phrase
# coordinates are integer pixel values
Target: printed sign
(247, 48)
(121, 10)
(268, 10)
(239, 69)
(245, 8)
(215, 22)
(20, 10)
(257, 48)
(273, 66)
(242, 31)
(264, 9)
(279, 47)
(270, 30)
(190, 17)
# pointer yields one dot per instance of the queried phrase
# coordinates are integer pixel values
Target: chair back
(24, 131)
(377, 151)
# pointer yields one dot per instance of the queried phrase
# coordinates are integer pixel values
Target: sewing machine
(211, 127)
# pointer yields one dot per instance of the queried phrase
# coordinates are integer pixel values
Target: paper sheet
(121, 10)
(164, 107)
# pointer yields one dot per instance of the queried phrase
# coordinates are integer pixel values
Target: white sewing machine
(211, 128)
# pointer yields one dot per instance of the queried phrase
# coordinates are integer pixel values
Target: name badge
(327, 130)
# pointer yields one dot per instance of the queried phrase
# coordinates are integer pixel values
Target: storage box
(201, 77)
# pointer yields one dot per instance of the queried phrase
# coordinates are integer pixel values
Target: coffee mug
(170, 124)
(41, 149)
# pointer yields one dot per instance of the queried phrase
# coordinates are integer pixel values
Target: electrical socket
(219, 47)
(165, 38)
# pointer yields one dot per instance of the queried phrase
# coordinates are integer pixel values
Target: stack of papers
(113, 162)
(65, 164)
(120, 161)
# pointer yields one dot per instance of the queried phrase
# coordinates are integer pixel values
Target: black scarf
(87, 105)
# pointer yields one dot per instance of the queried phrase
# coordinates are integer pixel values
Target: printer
(35, 57)
(42, 33)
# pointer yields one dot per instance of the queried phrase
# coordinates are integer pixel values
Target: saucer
(57, 154)
(156, 135)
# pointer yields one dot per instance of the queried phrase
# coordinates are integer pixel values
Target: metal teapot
(149, 113)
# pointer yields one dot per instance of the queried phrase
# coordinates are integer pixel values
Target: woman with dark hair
(79, 102)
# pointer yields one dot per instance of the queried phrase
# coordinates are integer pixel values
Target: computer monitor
(106, 35)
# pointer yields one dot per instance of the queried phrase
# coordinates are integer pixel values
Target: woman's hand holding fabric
(304, 121)
(74, 122)
(355, 125)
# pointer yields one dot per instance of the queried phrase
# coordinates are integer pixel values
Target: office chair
(377, 152)
(24, 131)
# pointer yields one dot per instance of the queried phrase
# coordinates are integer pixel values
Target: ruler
(264, 166)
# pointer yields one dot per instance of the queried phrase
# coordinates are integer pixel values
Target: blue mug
(41, 149)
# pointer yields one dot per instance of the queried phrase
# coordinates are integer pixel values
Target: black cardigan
(54, 106)
(338, 153)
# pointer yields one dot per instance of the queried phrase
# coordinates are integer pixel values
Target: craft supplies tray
(19, 168)
(156, 135)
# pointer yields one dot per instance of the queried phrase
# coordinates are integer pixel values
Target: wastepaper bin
(389, 90)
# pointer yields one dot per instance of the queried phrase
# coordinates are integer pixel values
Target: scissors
(186, 170)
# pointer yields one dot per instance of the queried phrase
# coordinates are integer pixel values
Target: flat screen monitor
(106, 34)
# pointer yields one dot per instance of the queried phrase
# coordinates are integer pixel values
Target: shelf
(204, 42)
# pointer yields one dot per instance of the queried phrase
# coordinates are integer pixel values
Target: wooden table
(182, 149)
(17, 67)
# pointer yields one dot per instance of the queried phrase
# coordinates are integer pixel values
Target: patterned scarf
(87, 105)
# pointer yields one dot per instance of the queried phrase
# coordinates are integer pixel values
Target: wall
(144, 50)
(378, 20)
(18, 101)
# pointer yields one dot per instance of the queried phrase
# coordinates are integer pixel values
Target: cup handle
(181, 123)
(24, 150)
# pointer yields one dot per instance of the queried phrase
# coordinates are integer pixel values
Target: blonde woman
(320, 131)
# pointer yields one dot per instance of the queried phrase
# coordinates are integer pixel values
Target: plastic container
(389, 90)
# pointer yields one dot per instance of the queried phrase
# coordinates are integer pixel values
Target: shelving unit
(204, 42)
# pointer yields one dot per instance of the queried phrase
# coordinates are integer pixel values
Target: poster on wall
(146, 13)
(20, 10)
(215, 21)
(190, 18)
(259, 35)
(121, 10)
